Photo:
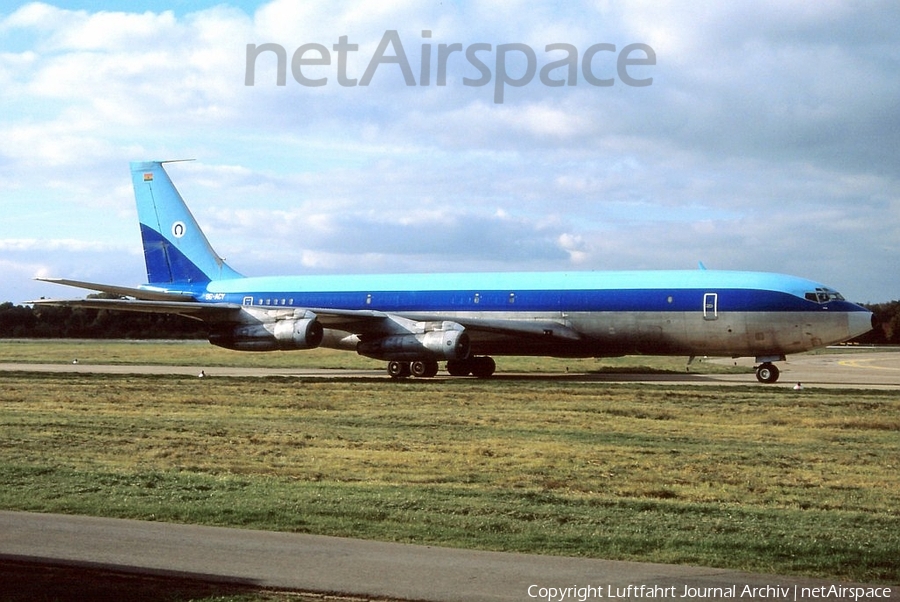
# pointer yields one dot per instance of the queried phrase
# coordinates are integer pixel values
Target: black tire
(398, 369)
(459, 367)
(767, 373)
(483, 367)
(424, 369)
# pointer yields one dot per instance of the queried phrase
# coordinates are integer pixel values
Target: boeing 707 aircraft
(416, 321)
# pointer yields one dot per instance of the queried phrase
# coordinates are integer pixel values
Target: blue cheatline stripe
(549, 291)
(644, 300)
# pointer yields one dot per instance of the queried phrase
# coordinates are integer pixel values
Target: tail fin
(175, 249)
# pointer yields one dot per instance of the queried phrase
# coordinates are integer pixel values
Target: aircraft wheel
(767, 373)
(426, 369)
(459, 367)
(483, 367)
(399, 369)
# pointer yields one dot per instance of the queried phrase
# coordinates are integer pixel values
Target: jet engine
(305, 333)
(435, 345)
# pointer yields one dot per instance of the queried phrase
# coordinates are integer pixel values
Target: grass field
(760, 479)
(202, 354)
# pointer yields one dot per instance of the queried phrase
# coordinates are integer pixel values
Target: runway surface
(847, 369)
(312, 563)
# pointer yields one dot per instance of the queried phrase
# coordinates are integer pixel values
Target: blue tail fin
(175, 249)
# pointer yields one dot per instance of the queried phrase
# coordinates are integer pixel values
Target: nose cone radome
(860, 322)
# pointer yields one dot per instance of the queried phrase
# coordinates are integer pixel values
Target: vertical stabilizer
(175, 249)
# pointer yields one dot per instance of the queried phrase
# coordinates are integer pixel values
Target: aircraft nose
(860, 322)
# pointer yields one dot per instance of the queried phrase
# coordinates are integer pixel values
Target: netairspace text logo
(310, 64)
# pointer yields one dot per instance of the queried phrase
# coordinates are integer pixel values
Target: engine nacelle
(433, 345)
(306, 333)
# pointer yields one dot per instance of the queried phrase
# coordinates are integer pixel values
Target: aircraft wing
(365, 322)
(521, 328)
(361, 321)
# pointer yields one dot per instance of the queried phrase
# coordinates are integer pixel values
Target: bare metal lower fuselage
(609, 334)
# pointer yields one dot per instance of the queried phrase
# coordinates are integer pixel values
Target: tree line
(887, 324)
(25, 322)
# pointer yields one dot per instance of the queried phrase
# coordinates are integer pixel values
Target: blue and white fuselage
(415, 320)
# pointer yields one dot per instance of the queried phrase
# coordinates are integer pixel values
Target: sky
(747, 135)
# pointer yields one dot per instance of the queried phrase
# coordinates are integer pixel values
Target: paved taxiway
(313, 563)
(848, 369)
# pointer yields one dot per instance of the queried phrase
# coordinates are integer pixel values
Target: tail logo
(178, 229)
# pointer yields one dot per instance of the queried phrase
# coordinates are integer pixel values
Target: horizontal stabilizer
(212, 312)
(124, 291)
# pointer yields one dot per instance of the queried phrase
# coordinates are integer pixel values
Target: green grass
(171, 353)
(759, 479)
(202, 354)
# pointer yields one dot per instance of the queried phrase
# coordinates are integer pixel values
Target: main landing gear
(767, 373)
(422, 369)
(479, 367)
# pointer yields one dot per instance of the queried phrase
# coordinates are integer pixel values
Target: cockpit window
(824, 295)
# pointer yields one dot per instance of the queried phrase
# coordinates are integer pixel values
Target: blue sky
(767, 140)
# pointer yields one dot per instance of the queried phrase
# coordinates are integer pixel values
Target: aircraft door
(710, 306)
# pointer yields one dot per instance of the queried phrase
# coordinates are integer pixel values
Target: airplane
(416, 321)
